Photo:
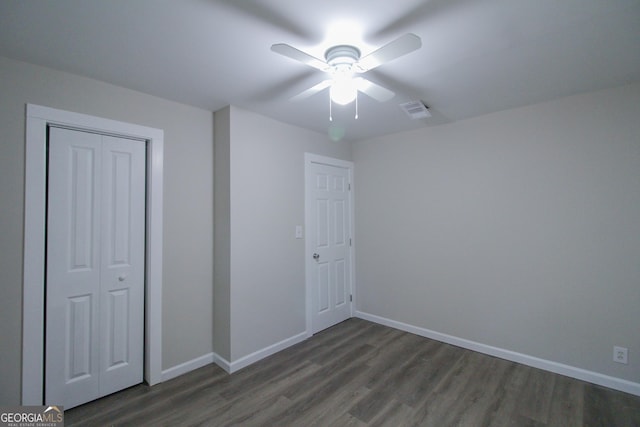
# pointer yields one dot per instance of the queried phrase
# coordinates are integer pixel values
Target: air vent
(415, 110)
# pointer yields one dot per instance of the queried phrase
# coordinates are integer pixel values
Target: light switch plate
(298, 232)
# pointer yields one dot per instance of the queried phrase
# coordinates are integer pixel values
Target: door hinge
(349, 186)
(351, 298)
(350, 242)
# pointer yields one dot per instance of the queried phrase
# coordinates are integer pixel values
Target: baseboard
(231, 367)
(222, 362)
(261, 354)
(188, 366)
(547, 365)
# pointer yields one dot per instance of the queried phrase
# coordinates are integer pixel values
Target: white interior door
(95, 266)
(329, 252)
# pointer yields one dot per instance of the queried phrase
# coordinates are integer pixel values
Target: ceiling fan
(343, 62)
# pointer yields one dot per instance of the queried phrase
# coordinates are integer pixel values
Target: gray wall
(188, 205)
(519, 229)
(266, 282)
(222, 236)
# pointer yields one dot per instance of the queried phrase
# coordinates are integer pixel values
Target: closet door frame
(38, 119)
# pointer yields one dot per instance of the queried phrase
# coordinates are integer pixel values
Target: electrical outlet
(620, 354)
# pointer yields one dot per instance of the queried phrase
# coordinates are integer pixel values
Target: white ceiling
(478, 56)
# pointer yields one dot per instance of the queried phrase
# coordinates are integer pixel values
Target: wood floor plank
(391, 360)
(502, 410)
(247, 406)
(360, 374)
(140, 400)
(604, 407)
(331, 371)
(318, 392)
(567, 404)
(346, 420)
(330, 354)
(390, 370)
(250, 404)
(394, 414)
(481, 392)
(456, 393)
(535, 397)
(336, 407)
(425, 372)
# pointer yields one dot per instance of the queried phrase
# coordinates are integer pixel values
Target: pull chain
(330, 115)
(356, 105)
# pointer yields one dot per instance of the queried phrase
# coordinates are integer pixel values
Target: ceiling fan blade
(298, 55)
(312, 90)
(373, 90)
(392, 50)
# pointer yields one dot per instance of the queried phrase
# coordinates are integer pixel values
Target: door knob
(316, 256)
(121, 278)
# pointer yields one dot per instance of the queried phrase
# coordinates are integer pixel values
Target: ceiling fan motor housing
(342, 55)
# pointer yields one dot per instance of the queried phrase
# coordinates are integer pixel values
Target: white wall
(519, 229)
(188, 208)
(266, 202)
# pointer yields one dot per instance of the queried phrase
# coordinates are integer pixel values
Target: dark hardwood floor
(359, 373)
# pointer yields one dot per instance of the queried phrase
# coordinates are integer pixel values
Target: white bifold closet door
(94, 341)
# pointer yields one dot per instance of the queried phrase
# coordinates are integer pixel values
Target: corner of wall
(221, 231)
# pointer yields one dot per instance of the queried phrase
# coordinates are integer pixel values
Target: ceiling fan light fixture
(343, 61)
(343, 91)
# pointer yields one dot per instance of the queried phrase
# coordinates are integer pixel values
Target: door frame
(309, 159)
(38, 118)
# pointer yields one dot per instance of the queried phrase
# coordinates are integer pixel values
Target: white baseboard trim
(231, 367)
(222, 362)
(261, 354)
(547, 365)
(188, 366)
